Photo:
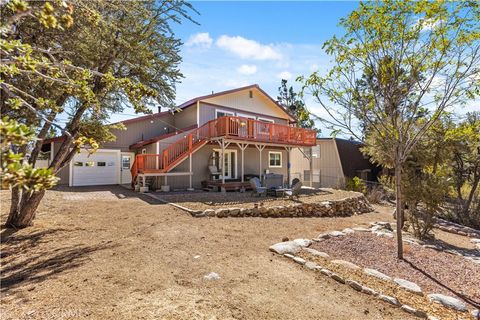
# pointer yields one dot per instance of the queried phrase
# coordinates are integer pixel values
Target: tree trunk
(25, 211)
(399, 209)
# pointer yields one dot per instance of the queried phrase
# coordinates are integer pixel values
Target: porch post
(288, 164)
(222, 161)
(190, 175)
(242, 147)
(260, 149)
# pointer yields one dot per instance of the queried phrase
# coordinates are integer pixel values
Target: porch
(224, 132)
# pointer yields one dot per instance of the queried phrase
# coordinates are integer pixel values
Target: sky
(242, 43)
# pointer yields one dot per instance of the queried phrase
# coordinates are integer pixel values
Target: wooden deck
(228, 185)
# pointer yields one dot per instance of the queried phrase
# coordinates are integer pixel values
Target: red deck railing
(235, 128)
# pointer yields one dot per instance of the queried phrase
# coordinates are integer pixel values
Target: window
(275, 159)
(223, 113)
(78, 164)
(316, 151)
(89, 163)
(101, 164)
(244, 115)
(126, 162)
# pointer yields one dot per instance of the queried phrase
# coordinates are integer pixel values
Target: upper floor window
(223, 113)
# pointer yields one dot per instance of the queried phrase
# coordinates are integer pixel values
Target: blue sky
(241, 43)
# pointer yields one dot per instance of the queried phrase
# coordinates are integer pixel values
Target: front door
(126, 162)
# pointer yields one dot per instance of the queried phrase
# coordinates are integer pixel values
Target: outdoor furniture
(257, 188)
(295, 181)
(277, 192)
(295, 191)
(214, 172)
(272, 180)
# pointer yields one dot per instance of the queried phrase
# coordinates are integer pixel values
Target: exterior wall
(207, 112)
(327, 169)
(141, 130)
(258, 103)
(186, 118)
(64, 174)
(202, 159)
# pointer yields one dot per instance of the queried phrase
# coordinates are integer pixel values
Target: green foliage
(291, 101)
(356, 184)
(14, 172)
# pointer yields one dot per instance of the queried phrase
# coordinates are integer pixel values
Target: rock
(408, 285)
(354, 284)
(288, 255)
(369, 291)
(299, 260)
(326, 272)
(383, 234)
(311, 265)
(475, 241)
(361, 229)
(385, 225)
(447, 301)
(476, 314)
(430, 317)
(421, 314)
(196, 257)
(303, 242)
(212, 276)
(324, 236)
(408, 309)
(285, 239)
(432, 246)
(377, 274)
(391, 300)
(209, 212)
(347, 264)
(316, 252)
(291, 247)
(348, 231)
(336, 234)
(337, 278)
(234, 212)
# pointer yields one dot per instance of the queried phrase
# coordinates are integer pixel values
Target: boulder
(336, 234)
(348, 231)
(291, 247)
(389, 299)
(316, 252)
(326, 272)
(361, 229)
(369, 291)
(311, 265)
(377, 274)
(354, 284)
(299, 260)
(337, 278)
(447, 301)
(408, 285)
(408, 309)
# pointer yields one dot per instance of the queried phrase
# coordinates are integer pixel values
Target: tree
(291, 101)
(398, 67)
(85, 59)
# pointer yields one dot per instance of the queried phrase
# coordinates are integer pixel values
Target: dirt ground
(107, 253)
(214, 200)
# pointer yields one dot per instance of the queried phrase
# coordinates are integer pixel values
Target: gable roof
(221, 93)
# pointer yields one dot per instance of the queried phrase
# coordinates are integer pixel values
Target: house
(333, 160)
(219, 140)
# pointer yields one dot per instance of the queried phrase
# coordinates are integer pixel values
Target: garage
(100, 168)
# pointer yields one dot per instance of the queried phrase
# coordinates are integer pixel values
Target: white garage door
(100, 168)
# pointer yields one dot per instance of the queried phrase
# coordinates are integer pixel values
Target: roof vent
(250, 94)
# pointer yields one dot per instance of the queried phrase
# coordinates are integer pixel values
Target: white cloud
(247, 49)
(284, 75)
(201, 39)
(247, 69)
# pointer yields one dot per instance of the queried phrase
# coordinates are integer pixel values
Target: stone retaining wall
(356, 204)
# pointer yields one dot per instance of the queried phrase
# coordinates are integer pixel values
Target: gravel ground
(216, 200)
(433, 271)
(125, 256)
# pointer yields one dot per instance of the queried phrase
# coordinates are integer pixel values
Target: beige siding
(327, 168)
(258, 104)
(207, 113)
(202, 159)
(141, 130)
(63, 174)
(186, 117)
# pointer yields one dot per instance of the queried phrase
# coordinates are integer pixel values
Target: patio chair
(257, 188)
(214, 172)
(295, 191)
(295, 181)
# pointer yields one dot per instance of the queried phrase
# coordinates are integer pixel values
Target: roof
(352, 158)
(160, 137)
(221, 93)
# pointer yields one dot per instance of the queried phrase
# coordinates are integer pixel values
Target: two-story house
(218, 139)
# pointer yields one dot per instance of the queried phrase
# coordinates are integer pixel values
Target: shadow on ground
(39, 264)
